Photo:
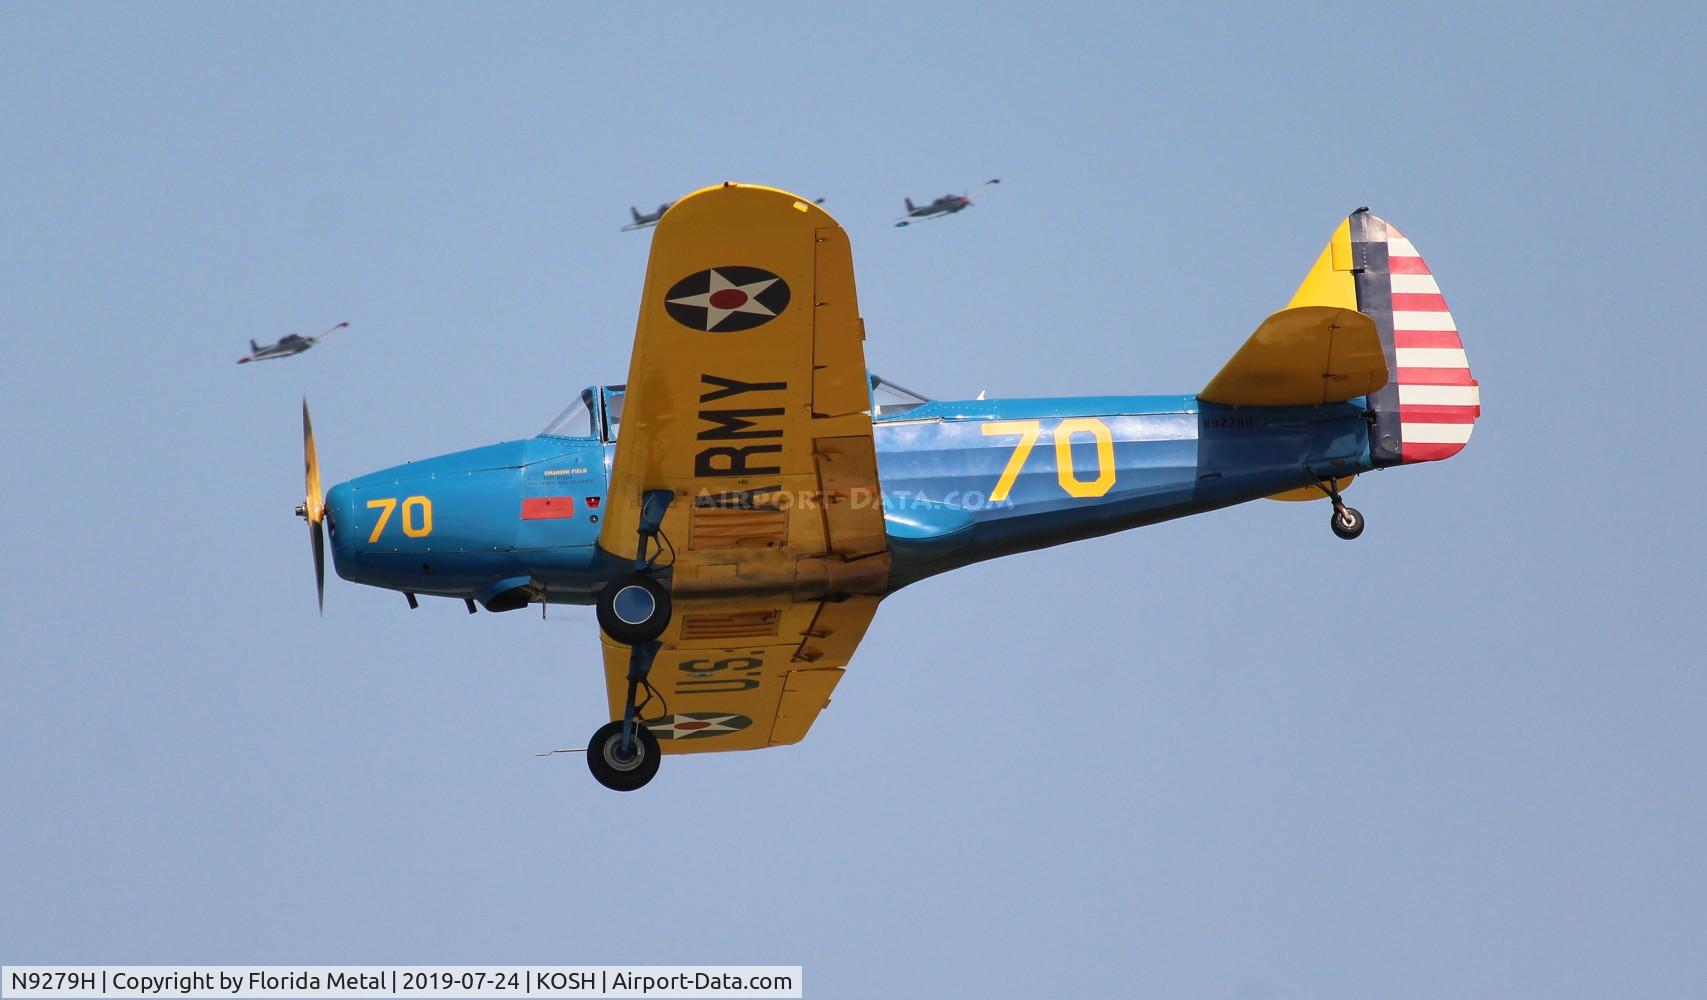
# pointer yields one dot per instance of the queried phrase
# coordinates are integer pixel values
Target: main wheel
(619, 771)
(1347, 523)
(634, 609)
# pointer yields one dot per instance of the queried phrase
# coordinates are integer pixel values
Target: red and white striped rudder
(1431, 402)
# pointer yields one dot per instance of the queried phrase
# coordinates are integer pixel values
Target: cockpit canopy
(576, 420)
(888, 399)
(597, 411)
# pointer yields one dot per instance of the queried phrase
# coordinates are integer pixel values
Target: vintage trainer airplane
(285, 346)
(768, 492)
(948, 204)
(644, 219)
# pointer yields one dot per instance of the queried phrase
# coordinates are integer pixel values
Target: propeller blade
(315, 503)
(328, 333)
(313, 507)
(317, 538)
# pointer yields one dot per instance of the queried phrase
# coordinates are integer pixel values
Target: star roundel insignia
(696, 725)
(727, 299)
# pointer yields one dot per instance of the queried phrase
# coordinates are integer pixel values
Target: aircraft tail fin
(910, 206)
(254, 348)
(1426, 410)
(634, 212)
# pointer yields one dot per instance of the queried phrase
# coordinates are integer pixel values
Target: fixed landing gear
(1346, 522)
(618, 767)
(623, 754)
(633, 610)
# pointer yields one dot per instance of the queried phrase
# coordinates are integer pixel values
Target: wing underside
(743, 675)
(748, 401)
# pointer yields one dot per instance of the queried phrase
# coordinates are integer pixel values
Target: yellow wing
(748, 400)
(743, 674)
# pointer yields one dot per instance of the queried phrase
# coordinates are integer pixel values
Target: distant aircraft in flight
(948, 204)
(641, 221)
(284, 347)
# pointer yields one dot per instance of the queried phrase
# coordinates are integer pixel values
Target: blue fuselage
(961, 482)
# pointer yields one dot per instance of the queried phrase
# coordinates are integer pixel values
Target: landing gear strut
(1347, 522)
(623, 754)
(633, 610)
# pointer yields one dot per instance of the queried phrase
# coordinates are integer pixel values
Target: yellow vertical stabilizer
(1329, 282)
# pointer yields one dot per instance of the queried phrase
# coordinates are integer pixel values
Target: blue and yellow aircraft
(766, 492)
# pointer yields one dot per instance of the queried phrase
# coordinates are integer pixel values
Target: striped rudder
(1425, 413)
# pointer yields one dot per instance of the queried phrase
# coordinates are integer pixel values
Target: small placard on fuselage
(544, 508)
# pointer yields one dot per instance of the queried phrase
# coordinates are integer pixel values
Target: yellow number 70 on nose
(417, 516)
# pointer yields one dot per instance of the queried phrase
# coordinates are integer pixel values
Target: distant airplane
(284, 347)
(948, 204)
(648, 219)
(651, 219)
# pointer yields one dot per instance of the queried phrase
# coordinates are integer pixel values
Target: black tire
(604, 757)
(1347, 523)
(638, 621)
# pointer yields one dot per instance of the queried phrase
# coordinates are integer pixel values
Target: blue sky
(1230, 756)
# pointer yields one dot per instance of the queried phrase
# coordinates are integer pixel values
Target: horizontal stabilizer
(1311, 492)
(1303, 356)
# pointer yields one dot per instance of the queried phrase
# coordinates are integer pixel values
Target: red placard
(543, 508)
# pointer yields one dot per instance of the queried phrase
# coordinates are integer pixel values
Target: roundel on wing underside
(727, 299)
(696, 725)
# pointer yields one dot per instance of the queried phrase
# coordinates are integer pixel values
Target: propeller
(328, 333)
(313, 507)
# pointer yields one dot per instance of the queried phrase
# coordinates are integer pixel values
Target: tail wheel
(619, 771)
(634, 609)
(1347, 522)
